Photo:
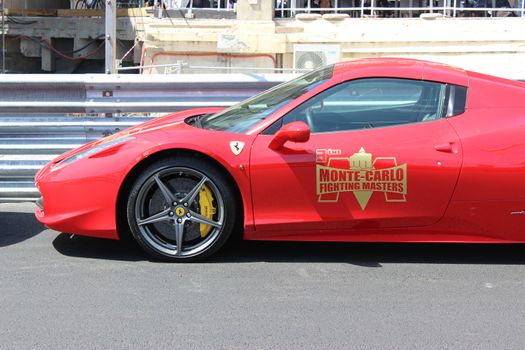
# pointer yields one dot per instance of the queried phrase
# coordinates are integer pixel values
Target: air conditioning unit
(312, 56)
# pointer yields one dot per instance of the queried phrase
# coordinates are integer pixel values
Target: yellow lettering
(324, 174)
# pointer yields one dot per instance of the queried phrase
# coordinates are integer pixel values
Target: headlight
(90, 151)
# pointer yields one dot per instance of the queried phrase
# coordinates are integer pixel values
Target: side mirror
(294, 132)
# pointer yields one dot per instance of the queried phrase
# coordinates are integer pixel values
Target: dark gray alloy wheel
(181, 209)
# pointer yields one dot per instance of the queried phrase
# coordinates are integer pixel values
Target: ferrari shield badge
(360, 174)
(236, 147)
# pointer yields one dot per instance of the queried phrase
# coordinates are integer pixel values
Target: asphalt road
(58, 292)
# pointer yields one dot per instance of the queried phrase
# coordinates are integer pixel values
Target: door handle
(444, 147)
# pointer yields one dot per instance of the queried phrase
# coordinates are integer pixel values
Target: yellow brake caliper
(206, 208)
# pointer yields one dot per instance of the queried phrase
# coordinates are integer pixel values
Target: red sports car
(375, 150)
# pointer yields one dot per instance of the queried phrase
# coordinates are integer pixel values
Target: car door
(380, 154)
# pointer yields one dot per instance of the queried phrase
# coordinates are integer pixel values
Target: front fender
(214, 145)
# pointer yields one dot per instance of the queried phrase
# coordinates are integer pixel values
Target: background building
(183, 36)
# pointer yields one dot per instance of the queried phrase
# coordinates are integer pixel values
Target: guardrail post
(111, 36)
(3, 37)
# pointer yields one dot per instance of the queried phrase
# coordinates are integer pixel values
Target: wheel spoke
(179, 236)
(190, 197)
(166, 193)
(162, 216)
(203, 220)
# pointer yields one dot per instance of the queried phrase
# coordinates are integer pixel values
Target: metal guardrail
(29, 141)
(127, 93)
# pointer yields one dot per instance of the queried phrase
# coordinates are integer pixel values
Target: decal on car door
(360, 174)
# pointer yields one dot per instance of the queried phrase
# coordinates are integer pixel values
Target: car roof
(403, 68)
(388, 61)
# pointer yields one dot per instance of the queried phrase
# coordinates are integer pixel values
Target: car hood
(166, 121)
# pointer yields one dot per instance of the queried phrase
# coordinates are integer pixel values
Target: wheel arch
(131, 176)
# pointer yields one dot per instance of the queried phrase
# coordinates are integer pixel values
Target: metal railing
(182, 67)
(127, 93)
(29, 141)
(207, 4)
(362, 8)
(393, 8)
(187, 7)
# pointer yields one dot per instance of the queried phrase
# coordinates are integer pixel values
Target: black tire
(158, 225)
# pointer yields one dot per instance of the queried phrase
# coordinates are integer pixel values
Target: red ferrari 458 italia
(375, 150)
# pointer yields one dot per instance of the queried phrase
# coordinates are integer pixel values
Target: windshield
(241, 117)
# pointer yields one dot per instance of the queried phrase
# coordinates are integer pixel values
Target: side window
(371, 103)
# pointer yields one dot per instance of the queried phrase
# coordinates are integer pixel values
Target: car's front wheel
(181, 209)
